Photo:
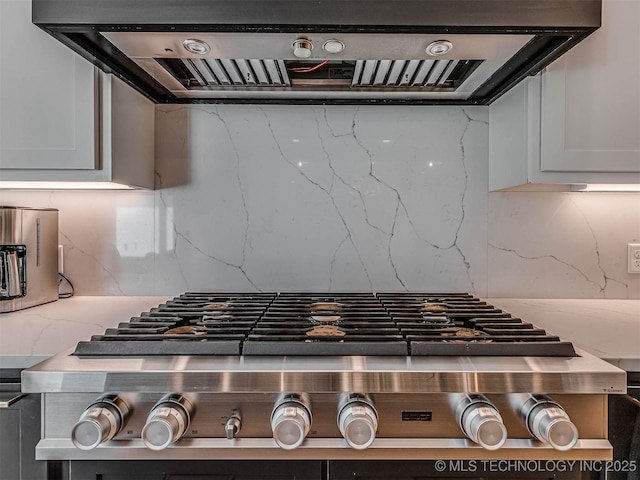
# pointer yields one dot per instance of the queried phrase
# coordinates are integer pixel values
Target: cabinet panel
(19, 435)
(591, 99)
(48, 116)
(126, 145)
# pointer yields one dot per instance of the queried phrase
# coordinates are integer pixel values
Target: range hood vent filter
(194, 73)
(218, 74)
(440, 75)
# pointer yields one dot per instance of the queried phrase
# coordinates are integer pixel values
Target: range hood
(464, 52)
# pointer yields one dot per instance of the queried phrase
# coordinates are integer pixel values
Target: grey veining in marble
(314, 198)
(559, 245)
(338, 198)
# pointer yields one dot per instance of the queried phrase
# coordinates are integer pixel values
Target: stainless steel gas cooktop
(324, 376)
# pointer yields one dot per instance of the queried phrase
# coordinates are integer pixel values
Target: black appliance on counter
(337, 386)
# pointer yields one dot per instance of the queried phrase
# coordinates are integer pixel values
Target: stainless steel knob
(167, 421)
(232, 427)
(302, 48)
(547, 421)
(100, 422)
(357, 420)
(291, 420)
(480, 420)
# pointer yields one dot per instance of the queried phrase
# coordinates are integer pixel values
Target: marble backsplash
(335, 199)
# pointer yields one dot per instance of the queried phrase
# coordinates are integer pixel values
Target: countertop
(34, 334)
(609, 329)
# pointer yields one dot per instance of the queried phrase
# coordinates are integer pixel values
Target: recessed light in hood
(196, 46)
(334, 51)
(439, 47)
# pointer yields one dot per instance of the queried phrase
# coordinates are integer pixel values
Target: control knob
(167, 421)
(480, 420)
(302, 48)
(233, 424)
(291, 420)
(100, 422)
(546, 420)
(357, 420)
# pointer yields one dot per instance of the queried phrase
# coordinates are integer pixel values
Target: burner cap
(434, 307)
(326, 331)
(185, 330)
(478, 336)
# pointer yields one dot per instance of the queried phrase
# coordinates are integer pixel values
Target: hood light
(439, 47)
(196, 46)
(302, 48)
(333, 46)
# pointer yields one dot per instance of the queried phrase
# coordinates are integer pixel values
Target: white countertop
(31, 335)
(609, 329)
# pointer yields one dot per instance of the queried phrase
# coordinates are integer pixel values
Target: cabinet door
(48, 115)
(20, 434)
(591, 98)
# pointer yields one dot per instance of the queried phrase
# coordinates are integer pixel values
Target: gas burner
(436, 321)
(325, 319)
(325, 307)
(466, 335)
(222, 306)
(428, 306)
(185, 330)
(326, 331)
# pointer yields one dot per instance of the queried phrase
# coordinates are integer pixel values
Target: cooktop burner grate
(419, 324)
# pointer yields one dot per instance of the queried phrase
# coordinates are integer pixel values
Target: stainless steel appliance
(28, 257)
(324, 379)
(333, 51)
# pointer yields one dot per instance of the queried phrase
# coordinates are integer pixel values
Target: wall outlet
(633, 258)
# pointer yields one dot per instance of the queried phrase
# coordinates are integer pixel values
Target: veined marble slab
(333, 198)
(31, 335)
(609, 329)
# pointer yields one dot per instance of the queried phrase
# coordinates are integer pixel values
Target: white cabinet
(62, 120)
(47, 116)
(579, 121)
